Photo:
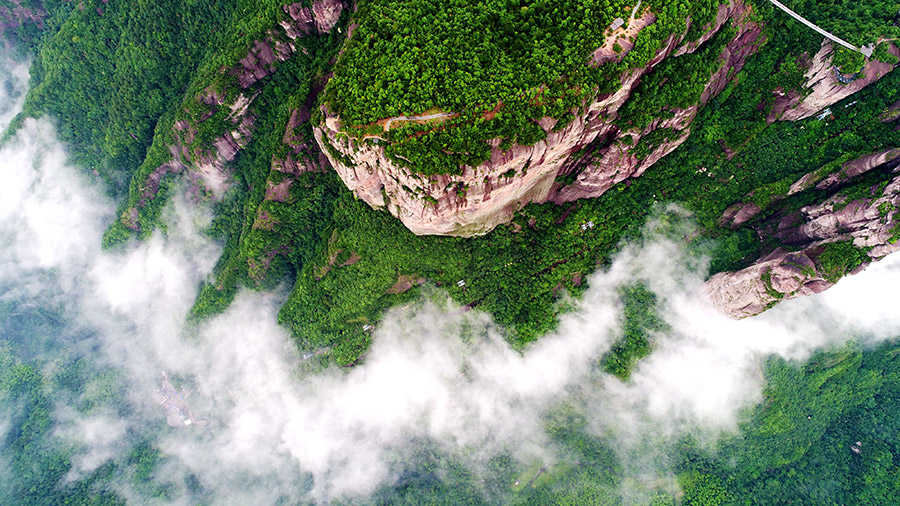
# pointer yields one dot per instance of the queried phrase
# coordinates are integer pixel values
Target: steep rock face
(755, 289)
(277, 47)
(617, 162)
(206, 166)
(484, 196)
(825, 88)
(15, 15)
(302, 155)
(743, 212)
(871, 223)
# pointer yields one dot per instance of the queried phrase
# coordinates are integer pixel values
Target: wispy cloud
(13, 85)
(434, 372)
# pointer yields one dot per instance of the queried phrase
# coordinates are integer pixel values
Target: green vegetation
(517, 272)
(675, 84)
(640, 321)
(839, 258)
(107, 72)
(522, 60)
(117, 82)
(859, 23)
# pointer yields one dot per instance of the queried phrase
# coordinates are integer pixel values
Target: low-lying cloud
(434, 371)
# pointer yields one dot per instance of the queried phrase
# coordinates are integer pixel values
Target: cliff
(821, 242)
(823, 86)
(483, 196)
(206, 164)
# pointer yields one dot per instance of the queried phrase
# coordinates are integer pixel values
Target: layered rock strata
(206, 166)
(824, 86)
(871, 223)
(481, 197)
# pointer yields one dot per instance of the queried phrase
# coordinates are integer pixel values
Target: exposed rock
(755, 289)
(722, 15)
(484, 196)
(739, 213)
(277, 47)
(404, 284)
(302, 155)
(207, 166)
(320, 18)
(15, 15)
(259, 63)
(825, 89)
(857, 167)
(278, 192)
(871, 223)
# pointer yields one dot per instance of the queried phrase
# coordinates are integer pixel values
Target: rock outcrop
(757, 288)
(824, 86)
(206, 166)
(14, 15)
(872, 224)
(301, 154)
(481, 197)
(278, 46)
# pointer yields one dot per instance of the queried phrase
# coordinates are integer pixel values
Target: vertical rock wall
(486, 195)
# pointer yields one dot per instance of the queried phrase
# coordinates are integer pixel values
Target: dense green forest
(516, 272)
(522, 60)
(825, 433)
(117, 76)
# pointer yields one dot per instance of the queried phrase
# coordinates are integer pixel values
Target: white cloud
(434, 372)
(13, 85)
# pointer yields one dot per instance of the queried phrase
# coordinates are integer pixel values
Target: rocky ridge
(14, 16)
(206, 166)
(824, 87)
(871, 223)
(484, 196)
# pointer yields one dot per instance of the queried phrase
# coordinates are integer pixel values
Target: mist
(13, 85)
(435, 375)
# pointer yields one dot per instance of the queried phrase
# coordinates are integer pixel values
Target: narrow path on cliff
(387, 126)
(866, 51)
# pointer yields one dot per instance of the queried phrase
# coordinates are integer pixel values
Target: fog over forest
(282, 426)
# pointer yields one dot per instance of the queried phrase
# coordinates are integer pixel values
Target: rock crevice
(484, 196)
(871, 224)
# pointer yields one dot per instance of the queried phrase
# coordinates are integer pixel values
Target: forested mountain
(358, 154)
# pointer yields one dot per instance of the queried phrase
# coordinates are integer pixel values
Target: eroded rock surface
(206, 166)
(824, 87)
(15, 15)
(871, 223)
(751, 291)
(486, 195)
(278, 46)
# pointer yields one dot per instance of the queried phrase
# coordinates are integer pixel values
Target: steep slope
(21, 22)
(820, 242)
(596, 147)
(607, 139)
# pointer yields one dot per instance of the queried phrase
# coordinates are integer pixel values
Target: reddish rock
(277, 47)
(15, 15)
(859, 166)
(207, 166)
(482, 197)
(278, 192)
(871, 223)
(739, 213)
(824, 87)
(755, 289)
